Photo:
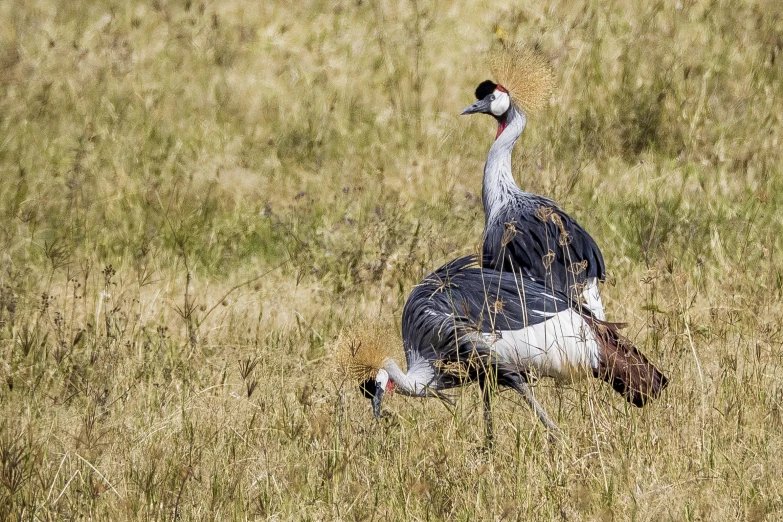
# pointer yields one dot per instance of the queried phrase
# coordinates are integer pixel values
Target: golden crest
(525, 73)
(361, 351)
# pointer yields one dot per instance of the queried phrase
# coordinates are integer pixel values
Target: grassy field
(196, 198)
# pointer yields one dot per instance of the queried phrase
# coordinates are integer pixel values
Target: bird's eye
(491, 97)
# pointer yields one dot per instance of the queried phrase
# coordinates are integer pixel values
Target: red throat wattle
(502, 124)
(390, 387)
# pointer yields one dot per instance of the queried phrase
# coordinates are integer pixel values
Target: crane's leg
(554, 431)
(486, 393)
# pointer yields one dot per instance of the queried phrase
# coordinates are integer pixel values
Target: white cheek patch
(500, 104)
(382, 379)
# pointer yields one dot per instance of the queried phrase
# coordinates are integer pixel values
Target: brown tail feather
(624, 367)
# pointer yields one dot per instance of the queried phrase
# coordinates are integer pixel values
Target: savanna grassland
(196, 198)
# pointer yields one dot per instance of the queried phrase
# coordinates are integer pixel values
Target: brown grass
(197, 198)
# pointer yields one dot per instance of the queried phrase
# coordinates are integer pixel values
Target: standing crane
(527, 233)
(464, 323)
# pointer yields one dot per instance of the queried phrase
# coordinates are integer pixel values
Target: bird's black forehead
(369, 388)
(485, 88)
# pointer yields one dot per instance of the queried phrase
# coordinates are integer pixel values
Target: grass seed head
(525, 73)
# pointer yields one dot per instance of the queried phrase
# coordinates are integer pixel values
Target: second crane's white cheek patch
(382, 379)
(500, 104)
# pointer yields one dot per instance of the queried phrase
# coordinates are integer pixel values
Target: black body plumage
(532, 236)
(446, 313)
(450, 318)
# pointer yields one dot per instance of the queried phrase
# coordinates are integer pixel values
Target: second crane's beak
(480, 107)
(373, 389)
(376, 402)
(381, 381)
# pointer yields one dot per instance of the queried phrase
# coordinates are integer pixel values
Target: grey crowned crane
(464, 324)
(527, 233)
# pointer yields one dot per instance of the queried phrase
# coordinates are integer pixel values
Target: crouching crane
(464, 324)
(527, 233)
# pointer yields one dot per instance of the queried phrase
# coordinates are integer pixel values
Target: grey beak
(376, 403)
(481, 106)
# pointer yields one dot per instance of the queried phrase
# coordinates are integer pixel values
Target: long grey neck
(415, 382)
(499, 185)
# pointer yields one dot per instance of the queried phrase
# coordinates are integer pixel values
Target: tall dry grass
(196, 198)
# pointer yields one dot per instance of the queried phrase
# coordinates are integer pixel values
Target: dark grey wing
(541, 241)
(447, 312)
(429, 322)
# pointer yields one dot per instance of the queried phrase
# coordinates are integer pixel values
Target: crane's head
(361, 355)
(525, 81)
(374, 388)
(492, 99)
